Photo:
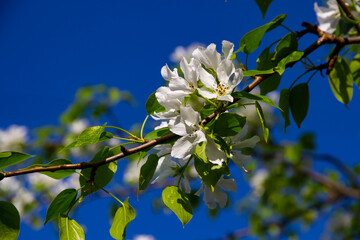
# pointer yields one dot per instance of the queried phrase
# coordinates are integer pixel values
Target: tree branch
(323, 38)
(348, 13)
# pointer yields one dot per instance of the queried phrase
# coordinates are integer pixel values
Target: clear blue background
(48, 49)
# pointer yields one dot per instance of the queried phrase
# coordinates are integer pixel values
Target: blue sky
(48, 49)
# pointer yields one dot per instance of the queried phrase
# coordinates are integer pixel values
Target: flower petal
(183, 147)
(167, 74)
(227, 49)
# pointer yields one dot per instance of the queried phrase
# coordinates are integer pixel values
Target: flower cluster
(329, 16)
(201, 85)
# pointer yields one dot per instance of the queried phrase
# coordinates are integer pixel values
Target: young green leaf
(256, 97)
(123, 216)
(229, 124)
(179, 203)
(208, 172)
(341, 81)
(258, 72)
(263, 5)
(103, 174)
(62, 203)
(9, 221)
(11, 158)
(292, 57)
(265, 62)
(152, 105)
(287, 45)
(56, 174)
(69, 229)
(355, 69)
(251, 40)
(157, 133)
(147, 171)
(90, 136)
(284, 104)
(262, 120)
(299, 102)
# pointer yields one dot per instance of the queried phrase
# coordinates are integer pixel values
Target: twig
(348, 13)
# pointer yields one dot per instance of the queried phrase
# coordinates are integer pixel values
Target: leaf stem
(142, 127)
(123, 131)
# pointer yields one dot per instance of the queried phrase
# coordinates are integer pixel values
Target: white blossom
(78, 126)
(257, 182)
(144, 237)
(236, 144)
(329, 16)
(13, 138)
(182, 51)
(217, 196)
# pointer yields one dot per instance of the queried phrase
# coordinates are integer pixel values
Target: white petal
(200, 136)
(190, 71)
(227, 184)
(224, 71)
(214, 154)
(220, 196)
(207, 79)
(209, 198)
(227, 49)
(205, 93)
(167, 74)
(178, 127)
(183, 147)
(250, 142)
(228, 98)
(180, 84)
(200, 191)
(240, 159)
(236, 78)
(189, 116)
(212, 56)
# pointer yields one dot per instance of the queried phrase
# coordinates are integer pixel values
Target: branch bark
(323, 38)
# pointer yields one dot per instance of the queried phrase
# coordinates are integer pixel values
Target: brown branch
(323, 38)
(348, 13)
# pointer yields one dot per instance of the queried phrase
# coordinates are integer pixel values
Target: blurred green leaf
(355, 69)
(9, 221)
(255, 97)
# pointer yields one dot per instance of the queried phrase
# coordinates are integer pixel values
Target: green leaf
(56, 174)
(355, 69)
(341, 81)
(284, 103)
(90, 136)
(263, 5)
(256, 97)
(157, 133)
(286, 46)
(70, 229)
(292, 57)
(208, 172)
(62, 203)
(251, 40)
(152, 105)
(299, 102)
(147, 171)
(11, 158)
(103, 174)
(123, 216)
(265, 62)
(229, 124)
(179, 203)
(257, 72)
(262, 120)
(9, 221)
